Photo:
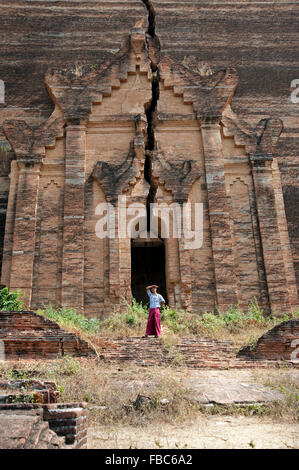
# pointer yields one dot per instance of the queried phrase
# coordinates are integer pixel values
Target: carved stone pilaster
(24, 231)
(277, 274)
(259, 142)
(72, 293)
(222, 245)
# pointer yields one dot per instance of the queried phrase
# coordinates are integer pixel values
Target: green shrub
(255, 311)
(134, 316)
(10, 301)
(69, 317)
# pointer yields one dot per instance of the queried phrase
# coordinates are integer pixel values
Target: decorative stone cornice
(115, 179)
(209, 95)
(258, 159)
(259, 141)
(29, 142)
(208, 120)
(176, 175)
(75, 90)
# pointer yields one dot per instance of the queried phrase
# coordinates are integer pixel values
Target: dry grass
(285, 381)
(240, 337)
(108, 387)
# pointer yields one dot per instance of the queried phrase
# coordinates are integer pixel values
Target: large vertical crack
(153, 44)
(151, 17)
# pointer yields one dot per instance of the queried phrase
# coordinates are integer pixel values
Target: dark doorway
(147, 267)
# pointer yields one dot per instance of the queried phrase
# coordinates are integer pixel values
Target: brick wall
(96, 145)
(279, 343)
(32, 426)
(28, 335)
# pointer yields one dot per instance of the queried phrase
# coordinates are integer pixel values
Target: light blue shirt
(155, 300)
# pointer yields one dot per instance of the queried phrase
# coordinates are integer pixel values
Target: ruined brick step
(279, 342)
(196, 353)
(31, 336)
(37, 429)
(26, 320)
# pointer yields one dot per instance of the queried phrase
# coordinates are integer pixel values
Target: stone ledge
(29, 335)
(31, 426)
(277, 344)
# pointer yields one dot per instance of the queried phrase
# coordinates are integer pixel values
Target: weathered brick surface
(69, 422)
(30, 426)
(107, 136)
(279, 343)
(28, 335)
(195, 353)
(27, 390)
(26, 432)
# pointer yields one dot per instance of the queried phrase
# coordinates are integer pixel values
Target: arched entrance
(147, 267)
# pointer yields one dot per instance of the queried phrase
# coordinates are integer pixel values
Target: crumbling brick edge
(279, 343)
(65, 419)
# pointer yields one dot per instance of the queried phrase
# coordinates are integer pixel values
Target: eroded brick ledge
(199, 354)
(27, 335)
(43, 426)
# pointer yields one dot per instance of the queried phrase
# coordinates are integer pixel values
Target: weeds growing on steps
(69, 318)
(241, 327)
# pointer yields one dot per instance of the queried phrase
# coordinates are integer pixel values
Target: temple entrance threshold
(147, 267)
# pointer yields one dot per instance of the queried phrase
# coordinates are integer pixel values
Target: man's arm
(148, 290)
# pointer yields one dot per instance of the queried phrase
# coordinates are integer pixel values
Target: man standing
(154, 321)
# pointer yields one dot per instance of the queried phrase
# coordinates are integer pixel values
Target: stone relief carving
(258, 140)
(177, 176)
(29, 142)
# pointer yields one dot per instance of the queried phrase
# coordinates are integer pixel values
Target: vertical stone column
(284, 237)
(222, 247)
(184, 262)
(114, 260)
(186, 277)
(119, 262)
(73, 224)
(23, 248)
(269, 231)
(9, 224)
(173, 272)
